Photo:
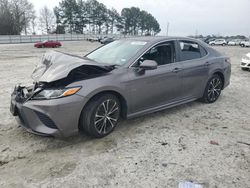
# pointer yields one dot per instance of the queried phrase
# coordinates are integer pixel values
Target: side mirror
(148, 65)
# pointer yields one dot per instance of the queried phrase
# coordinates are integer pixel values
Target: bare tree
(6, 17)
(47, 20)
(33, 24)
(22, 12)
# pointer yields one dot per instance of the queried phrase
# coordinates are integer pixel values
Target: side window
(189, 50)
(163, 53)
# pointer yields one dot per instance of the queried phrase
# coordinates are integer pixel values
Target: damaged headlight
(56, 93)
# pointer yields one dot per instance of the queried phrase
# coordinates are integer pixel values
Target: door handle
(175, 70)
(207, 64)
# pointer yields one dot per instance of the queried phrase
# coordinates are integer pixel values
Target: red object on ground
(213, 142)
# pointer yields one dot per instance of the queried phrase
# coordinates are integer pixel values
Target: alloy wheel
(106, 117)
(214, 89)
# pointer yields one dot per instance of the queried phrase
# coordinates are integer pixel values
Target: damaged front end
(20, 95)
(57, 66)
(33, 106)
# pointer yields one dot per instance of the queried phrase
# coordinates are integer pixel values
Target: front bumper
(245, 63)
(55, 117)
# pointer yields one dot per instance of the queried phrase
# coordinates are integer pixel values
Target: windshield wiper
(112, 66)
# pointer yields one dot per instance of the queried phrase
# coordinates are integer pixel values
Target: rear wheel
(100, 117)
(213, 89)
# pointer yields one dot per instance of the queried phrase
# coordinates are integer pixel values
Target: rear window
(191, 50)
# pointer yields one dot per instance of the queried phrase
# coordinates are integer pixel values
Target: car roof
(157, 39)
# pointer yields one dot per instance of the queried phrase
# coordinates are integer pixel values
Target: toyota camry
(124, 79)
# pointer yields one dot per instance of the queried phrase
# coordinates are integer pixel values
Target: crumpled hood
(56, 65)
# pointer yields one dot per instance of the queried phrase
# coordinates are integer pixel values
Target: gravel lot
(157, 150)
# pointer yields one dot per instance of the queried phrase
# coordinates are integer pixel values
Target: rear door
(195, 67)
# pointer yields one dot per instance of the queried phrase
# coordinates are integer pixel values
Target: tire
(100, 116)
(213, 89)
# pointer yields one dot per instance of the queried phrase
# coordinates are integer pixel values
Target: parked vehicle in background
(245, 62)
(207, 40)
(221, 42)
(93, 39)
(126, 78)
(48, 44)
(101, 38)
(245, 43)
(231, 43)
(107, 40)
(234, 42)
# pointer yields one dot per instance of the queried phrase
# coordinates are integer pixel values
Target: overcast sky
(186, 17)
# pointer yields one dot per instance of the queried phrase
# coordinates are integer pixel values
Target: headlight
(56, 93)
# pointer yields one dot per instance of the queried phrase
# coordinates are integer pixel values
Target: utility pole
(196, 33)
(167, 28)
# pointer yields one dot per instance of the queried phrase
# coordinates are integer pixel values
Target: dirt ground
(157, 150)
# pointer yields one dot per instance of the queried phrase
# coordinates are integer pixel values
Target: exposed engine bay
(57, 70)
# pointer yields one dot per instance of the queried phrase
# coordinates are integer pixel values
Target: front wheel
(213, 89)
(100, 117)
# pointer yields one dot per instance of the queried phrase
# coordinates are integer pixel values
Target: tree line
(74, 16)
(16, 16)
(79, 16)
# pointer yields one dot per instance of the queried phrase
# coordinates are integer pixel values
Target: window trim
(179, 50)
(200, 46)
(174, 41)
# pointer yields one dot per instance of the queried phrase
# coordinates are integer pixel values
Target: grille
(243, 64)
(46, 120)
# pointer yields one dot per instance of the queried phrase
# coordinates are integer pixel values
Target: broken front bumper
(55, 117)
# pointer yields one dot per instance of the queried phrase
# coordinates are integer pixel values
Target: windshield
(117, 52)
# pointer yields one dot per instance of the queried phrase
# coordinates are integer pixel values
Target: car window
(118, 52)
(163, 53)
(190, 50)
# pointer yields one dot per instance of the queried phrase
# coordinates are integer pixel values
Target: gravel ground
(157, 150)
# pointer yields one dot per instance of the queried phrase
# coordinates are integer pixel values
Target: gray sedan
(126, 78)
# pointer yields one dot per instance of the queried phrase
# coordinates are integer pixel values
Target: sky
(186, 17)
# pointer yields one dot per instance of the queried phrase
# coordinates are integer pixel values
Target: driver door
(153, 88)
